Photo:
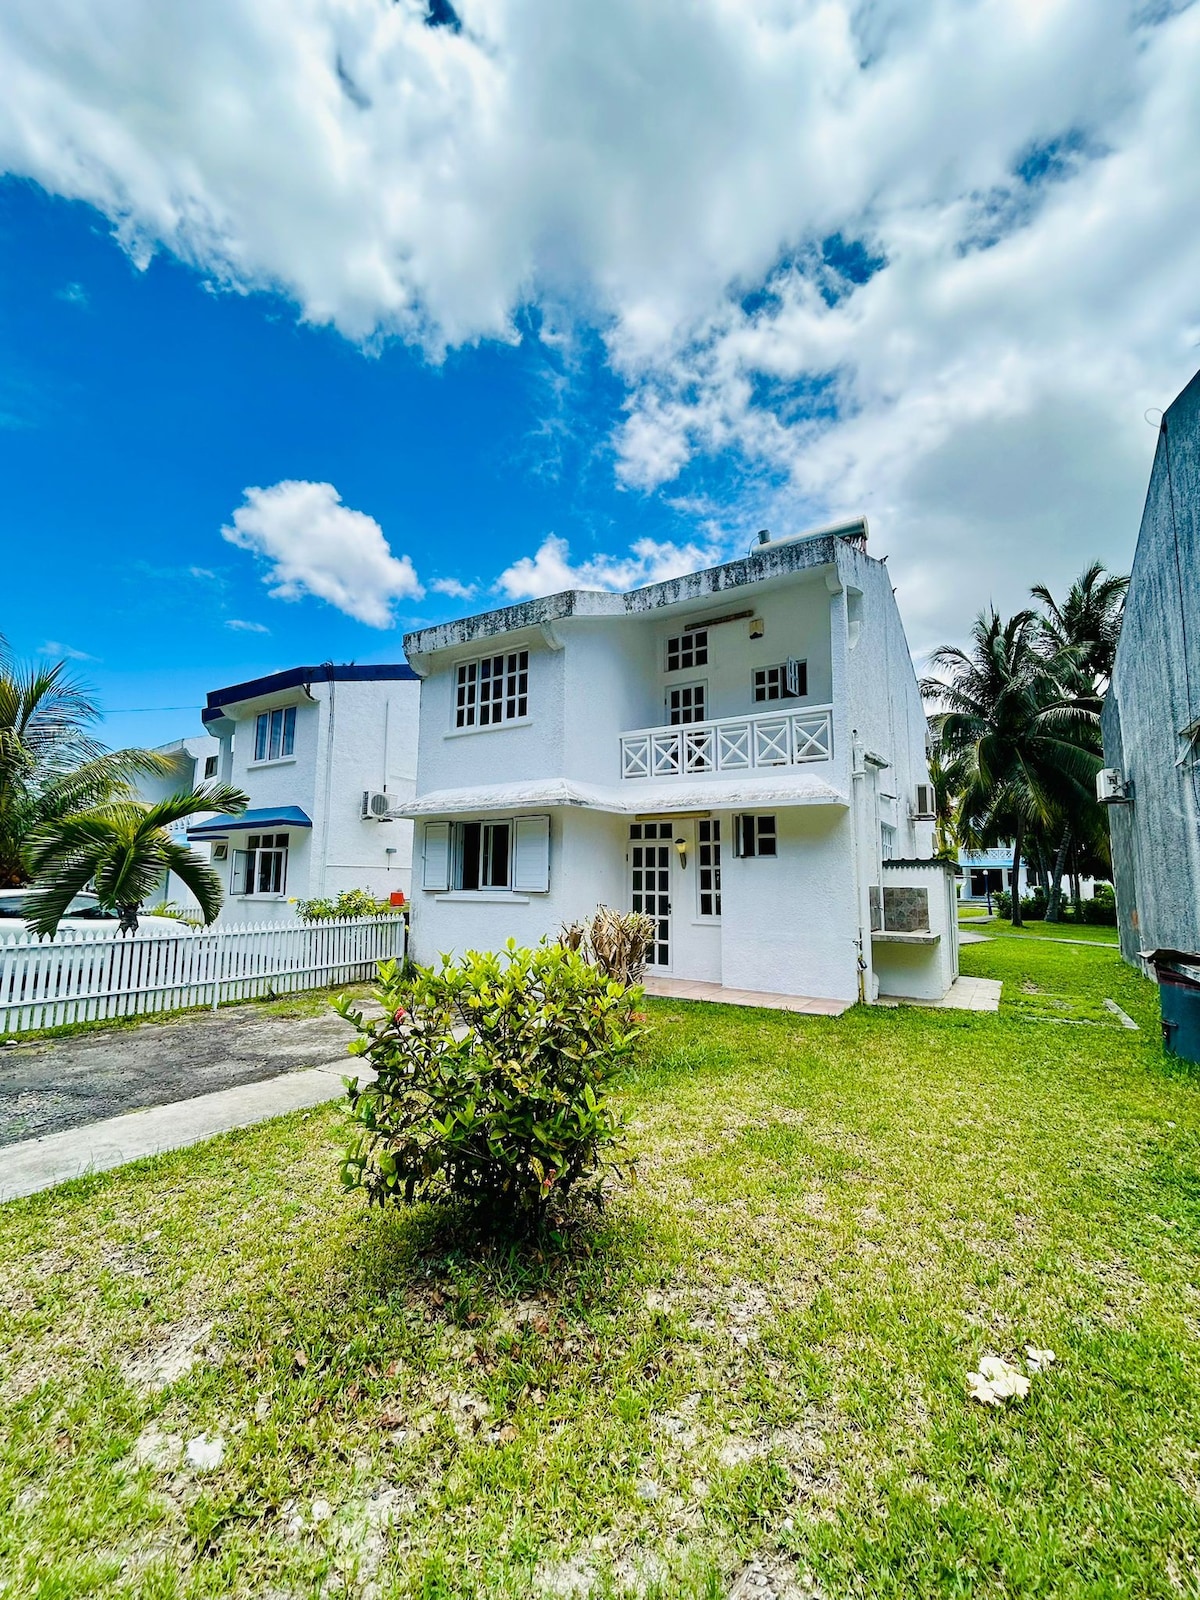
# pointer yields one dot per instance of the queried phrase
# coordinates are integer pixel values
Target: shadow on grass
(586, 1256)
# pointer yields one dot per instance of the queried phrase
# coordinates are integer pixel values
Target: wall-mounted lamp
(681, 850)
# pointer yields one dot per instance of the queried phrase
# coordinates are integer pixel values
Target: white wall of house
(351, 736)
(797, 922)
(189, 761)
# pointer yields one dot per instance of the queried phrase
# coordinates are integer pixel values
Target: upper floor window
(493, 690)
(787, 681)
(275, 734)
(688, 650)
(210, 766)
(261, 868)
(686, 704)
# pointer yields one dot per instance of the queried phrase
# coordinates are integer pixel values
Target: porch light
(681, 849)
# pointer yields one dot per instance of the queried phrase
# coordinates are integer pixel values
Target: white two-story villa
(327, 755)
(739, 753)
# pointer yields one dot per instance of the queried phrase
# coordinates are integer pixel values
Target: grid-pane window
(708, 849)
(261, 868)
(772, 683)
(755, 836)
(493, 690)
(650, 850)
(275, 734)
(686, 704)
(688, 650)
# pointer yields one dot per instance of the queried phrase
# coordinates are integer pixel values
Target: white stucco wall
(587, 868)
(350, 737)
(917, 971)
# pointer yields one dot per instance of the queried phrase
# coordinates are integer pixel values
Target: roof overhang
(629, 800)
(263, 817)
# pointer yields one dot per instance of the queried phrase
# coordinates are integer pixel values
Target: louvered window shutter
(531, 855)
(436, 874)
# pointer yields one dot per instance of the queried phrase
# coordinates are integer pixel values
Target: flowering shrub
(350, 903)
(493, 1082)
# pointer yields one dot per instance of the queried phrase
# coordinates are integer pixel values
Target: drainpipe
(858, 772)
(327, 667)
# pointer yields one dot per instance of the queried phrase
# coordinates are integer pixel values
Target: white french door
(650, 846)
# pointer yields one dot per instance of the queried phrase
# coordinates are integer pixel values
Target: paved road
(51, 1085)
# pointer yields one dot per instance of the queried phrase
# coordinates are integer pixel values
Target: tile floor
(691, 989)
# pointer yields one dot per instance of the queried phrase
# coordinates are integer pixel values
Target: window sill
(491, 727)
(260, 898)
(278, 761)
(496, 897)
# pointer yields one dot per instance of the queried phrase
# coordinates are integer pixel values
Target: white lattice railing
(730, 744)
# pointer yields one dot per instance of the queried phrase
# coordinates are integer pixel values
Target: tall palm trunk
(1017, 920)
(1054, 905)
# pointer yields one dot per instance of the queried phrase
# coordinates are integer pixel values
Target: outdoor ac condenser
(926, 808)
(376, 805)
(1110, 787)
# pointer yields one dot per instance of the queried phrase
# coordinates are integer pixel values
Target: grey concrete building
(1151, 718)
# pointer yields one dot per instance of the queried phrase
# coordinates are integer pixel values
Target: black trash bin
(1178, 974)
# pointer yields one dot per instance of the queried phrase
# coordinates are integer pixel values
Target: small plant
(493, 1081)
(351, 903)
(168, 908)
(616, 941)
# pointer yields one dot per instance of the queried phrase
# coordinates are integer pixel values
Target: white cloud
(64, 652)
(320, 547)
(455, 589)
(645, 168)
(239, 626)
(549, 570)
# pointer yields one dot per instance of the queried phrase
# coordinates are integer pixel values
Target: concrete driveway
(49, 1085)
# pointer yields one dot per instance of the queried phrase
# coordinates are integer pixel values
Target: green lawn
(1076, 932)
(760, 1355)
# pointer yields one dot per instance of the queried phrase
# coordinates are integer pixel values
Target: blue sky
(320, 322)
(137, 405)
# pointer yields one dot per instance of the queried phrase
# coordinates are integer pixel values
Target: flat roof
(297, 677)
(764, 562)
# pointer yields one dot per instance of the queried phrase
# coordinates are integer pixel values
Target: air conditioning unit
(377, 805)
(1110, 787)
(926, 807)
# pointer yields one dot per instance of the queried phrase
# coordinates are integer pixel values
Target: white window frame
(476, 705)
(712, 869)
(777, 689)
(700, 687)
(248, 865)
(274, 736)
(527, 860)
(751, 831)
(686, 651)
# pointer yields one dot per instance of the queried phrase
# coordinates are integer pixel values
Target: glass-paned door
(650, 885)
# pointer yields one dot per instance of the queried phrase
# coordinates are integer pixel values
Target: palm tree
(1080, 638)
(50, 764)
(947, 773)
(122, 848)
(1021, 739)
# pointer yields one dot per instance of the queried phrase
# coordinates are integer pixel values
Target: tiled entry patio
(691, 989)
(964, 994)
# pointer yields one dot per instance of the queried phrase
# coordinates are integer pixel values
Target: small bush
(1033, 906)
(349, 904)
(616, 941)
(493, 1082)
(1101, 910)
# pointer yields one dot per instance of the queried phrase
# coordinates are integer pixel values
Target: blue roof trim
(263, 817)
(297, 677)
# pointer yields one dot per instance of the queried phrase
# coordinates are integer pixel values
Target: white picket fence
(82, 977)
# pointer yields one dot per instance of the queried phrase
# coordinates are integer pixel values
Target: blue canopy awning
(264, 817)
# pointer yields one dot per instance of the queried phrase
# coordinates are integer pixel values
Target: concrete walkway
(693, 989)
(42, 1163)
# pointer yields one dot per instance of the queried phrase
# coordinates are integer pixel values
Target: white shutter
(531, 855)
(436, 874)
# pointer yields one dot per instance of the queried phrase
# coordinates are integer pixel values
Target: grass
(758, 1354)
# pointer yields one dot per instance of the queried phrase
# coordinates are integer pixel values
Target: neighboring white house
(986, 872)
(326, 754)
(739, 753)
(194, 761)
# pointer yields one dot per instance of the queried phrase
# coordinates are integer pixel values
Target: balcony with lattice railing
(766, 739)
